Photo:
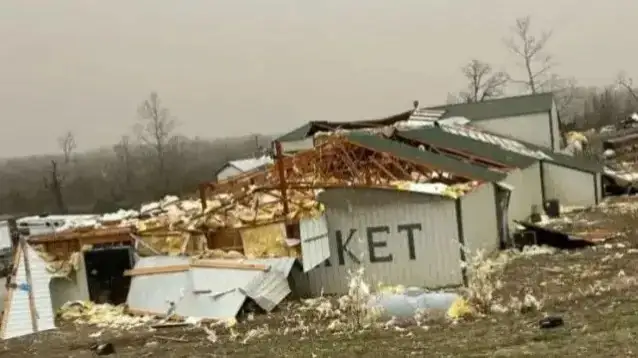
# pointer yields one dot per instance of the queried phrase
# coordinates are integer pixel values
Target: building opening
(105, 273)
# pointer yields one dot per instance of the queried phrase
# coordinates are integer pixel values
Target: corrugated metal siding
(531, 128)
(315, 245)
(480, 223)
(268, 289)
(221, 281)
(208, 292)
(18, 322)
(436, 260)
(571, 187)
(527, 193)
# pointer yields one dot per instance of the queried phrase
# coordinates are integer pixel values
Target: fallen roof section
(207, 292)
(505, 150)
(287, 190)
(310, 128)
(432, 160)
(440, 138)
(500, 107)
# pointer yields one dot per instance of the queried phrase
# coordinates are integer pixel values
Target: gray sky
(229, 68)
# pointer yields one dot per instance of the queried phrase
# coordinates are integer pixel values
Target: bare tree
(54, 181)
(627, 83)
(483, 82)
(530, 49)
(67, 145)
(124, 155)
(156, 132)
(54, 184)
(564, 90)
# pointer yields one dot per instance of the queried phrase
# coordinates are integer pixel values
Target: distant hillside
(104, 179)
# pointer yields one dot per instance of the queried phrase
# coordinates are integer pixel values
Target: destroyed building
(530, 118)
(409, 197)
(376, 201)
(544, 175)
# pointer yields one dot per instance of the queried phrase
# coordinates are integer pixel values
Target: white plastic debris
(413, 300)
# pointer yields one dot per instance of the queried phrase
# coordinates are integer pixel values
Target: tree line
(580, 107)
(153, 161)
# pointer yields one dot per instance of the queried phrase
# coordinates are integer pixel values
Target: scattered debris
(101, 315)
(104, 349)
(551, 322)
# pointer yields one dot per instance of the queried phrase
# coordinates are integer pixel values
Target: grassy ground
(592, 289)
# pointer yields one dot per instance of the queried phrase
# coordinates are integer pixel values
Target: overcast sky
(228, 68)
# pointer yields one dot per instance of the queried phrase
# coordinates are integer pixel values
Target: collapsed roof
(287, 191)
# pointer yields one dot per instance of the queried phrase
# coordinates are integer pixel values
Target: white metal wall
(527, 192)
(18, 311)
(531, 128)
(297, 145)
(228, 172)
(315, 244)
(5, 234)
(72, 288)
(570, 186)
(386, 218)
(479, 217)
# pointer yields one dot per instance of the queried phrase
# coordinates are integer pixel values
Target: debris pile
(59, 266)
(101, 315)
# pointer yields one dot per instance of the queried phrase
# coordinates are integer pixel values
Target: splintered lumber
(222, 264)
(229, 265)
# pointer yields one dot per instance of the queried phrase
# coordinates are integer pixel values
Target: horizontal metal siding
(436, 246)
(571, 187)
(527, 193)
(530, 128)
(480, 224)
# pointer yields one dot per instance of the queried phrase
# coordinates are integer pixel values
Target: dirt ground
(592, 289)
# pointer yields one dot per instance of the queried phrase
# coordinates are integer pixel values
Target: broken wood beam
(229, 265)
(156, 270)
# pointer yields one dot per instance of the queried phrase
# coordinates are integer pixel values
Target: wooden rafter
(333, 162)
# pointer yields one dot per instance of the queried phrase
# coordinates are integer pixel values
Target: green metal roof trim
(501, 107)
(439, 138)
(296, 134)
(577, 163)
(311, 128)
(415, 155)
(568, 161)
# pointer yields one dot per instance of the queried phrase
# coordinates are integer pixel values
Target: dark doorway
(105, 273)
